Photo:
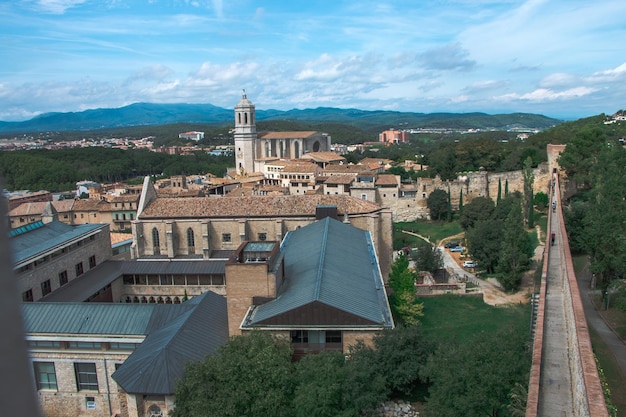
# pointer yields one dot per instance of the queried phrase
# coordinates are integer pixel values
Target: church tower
(245, 136)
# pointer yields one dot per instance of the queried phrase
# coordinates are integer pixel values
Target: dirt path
(493, 294)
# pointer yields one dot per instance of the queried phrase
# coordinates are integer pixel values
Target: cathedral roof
(254, 206)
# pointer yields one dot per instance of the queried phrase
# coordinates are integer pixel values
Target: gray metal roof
(40, 240)
(106, 319)
(83, 287)
(156, 365)
(331, 263)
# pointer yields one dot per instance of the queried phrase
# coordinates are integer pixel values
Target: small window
(79, 269)
(333, 336)
(262, 236)
(363, 196)
(62, 278)
(226, 237)
(191, 240)
(86, 377)
(299, 336)
(92, 261)
(46, 288)
(45, 375)
(156, 242)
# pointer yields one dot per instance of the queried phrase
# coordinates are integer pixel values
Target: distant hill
(148, 114)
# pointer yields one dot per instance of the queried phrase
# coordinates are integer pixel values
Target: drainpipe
(106, 377)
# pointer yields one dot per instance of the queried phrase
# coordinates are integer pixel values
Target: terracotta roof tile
(29, 209)
(286, 135)
(255, 206)
(386, 179)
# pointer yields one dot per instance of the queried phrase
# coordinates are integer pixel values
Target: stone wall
(472, 184)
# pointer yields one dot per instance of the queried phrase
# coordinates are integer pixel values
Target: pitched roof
(83, 287)
(253, 206)
(333, 265)
(286, 135)
(323, 156)
(29, 209)
(102, 319)
(46, 237)
(156, 365)
(386, 179)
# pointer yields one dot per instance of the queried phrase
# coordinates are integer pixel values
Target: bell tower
(245, 136)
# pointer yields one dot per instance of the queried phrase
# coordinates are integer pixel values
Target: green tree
(541, 200)
(499, 191)
(461, 202)
(403, 298)
(516, 250)
(252, 375)
(604, 225)
(484, 241)
(480, 208)
(581, 154)
(327, 386)
(506, 187)
(437, 204)
(477, 378)
(400, 356)
(529, 178)
(428, 258)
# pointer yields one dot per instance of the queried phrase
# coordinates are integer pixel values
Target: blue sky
(564, 59)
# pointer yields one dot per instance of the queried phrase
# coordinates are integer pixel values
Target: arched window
(155, 411)
(155, 238)
(191, 242)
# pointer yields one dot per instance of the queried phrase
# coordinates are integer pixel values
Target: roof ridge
(320, 268)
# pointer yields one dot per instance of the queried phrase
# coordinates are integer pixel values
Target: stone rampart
(471, 184)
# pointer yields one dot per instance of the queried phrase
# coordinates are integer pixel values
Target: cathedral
(253, 150)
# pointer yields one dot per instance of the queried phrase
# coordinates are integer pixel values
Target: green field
(433, 231)
(461, 317)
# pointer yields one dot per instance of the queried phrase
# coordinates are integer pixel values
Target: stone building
(252, 149)
(107, 359)
(170, 228)
(48, 254)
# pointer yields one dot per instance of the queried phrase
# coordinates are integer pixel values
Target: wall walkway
(564, 379)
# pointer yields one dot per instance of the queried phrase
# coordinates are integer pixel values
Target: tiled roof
(386, 179)
(30, 209)
(352, 169)
(339, 179)
(300, 166)
(323, 156)
(256, 206)
(90, 204)
(124, 198)
(286, 135)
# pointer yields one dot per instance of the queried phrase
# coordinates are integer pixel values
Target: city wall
(470, 185)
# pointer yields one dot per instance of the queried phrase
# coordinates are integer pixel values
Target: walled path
(556, 387)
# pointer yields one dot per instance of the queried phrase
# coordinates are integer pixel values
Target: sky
(560, 58)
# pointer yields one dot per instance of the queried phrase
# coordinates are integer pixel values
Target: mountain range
(144, 114)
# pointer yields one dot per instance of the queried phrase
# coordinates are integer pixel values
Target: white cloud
(610, 75)
(546, 94)
(56, 6)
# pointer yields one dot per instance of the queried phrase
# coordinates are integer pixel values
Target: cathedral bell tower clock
(245, 136)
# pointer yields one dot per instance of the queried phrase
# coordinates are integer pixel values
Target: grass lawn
(461, 317)
(435, 231)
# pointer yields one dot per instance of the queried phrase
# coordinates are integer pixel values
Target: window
(191, 241)
(86, 377)
(62, 278)
(363, 196)
(92, 261)
(46, 288)
(122, 346)
(226, 237)
(27, 295)
(333, 336)
(262, 236)
(79, 269)
(45, 376)
(155, 238)
(84, 345)
(299, 336)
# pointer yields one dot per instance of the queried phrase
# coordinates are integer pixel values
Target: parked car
(470, 264)
(456, 249)
(451, 244)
